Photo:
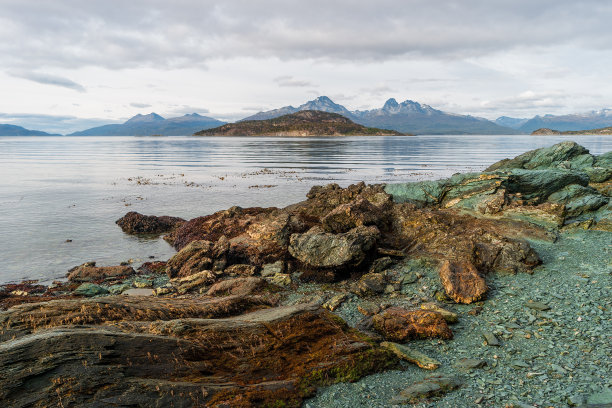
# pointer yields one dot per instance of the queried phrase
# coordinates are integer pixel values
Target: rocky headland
(302, 123)
(500, 281)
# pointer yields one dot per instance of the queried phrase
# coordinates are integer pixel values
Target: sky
(70, 64)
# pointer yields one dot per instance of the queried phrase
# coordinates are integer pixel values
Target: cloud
(118, 34)
(186, 109)
(140, 105)
(289, 81)
(47, 79)
(527, 101)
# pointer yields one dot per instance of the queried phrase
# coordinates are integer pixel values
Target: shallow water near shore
(59, 189)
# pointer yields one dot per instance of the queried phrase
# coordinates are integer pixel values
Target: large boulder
(319, 249)
(462, 282)
(135, 223)
(542, 158)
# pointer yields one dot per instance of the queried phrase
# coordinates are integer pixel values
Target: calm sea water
(54, 189)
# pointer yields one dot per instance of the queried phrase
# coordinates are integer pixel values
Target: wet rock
(152, 268)
(319, 249)
(380, 264)
(357, 213)
(153, 352)
(135, 223)
(90, 289)
(397, 324)
(411, 355)
(462, 282)
(431, 387)
(89, 272)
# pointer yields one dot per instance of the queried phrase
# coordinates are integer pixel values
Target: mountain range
(12, 130)
(573, 122)
(405, 117)
(153, 124)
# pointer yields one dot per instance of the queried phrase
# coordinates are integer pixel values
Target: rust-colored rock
(89, 272)
(135, 223)
(397, 324)
(462, 282)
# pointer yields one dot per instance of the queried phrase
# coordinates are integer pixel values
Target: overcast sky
(71, 64)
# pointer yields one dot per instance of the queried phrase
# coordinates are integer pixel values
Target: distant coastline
(547, 131)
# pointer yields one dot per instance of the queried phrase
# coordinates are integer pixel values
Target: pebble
(537, 305)
(491, 339)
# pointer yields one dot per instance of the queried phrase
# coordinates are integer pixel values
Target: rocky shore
(499, 281)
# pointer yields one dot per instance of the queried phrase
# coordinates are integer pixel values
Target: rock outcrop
(184, 353)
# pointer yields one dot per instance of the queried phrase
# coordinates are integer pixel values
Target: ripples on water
(58, 188)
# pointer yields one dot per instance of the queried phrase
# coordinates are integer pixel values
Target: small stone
(475, 311)
(142, 283)
(537, 306)
(519, 364)
(469, 364)
(411, 355)
(164, 290)
(335, 302)
(491, 339)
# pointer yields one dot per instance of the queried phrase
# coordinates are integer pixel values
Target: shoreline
(373, 255)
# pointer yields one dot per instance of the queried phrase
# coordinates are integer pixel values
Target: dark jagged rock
(135, 223)
(354, 214)
(179, 353)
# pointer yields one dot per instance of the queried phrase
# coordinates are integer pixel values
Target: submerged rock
(135, 223)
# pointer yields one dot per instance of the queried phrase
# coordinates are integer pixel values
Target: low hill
(302, 123)
(547, 132)
(12, 130)
(154, 124)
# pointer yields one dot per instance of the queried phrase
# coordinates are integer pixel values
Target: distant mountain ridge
(301, 123)
(406, 117)
(549, 132)
(154, 124)
(572, 122)
(13, 130)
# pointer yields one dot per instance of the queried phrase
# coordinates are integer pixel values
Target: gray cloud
(289, 81)
(119, 34)
(139, 105)
(47, 79)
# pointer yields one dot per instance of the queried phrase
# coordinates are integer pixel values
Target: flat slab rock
(118, 351)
